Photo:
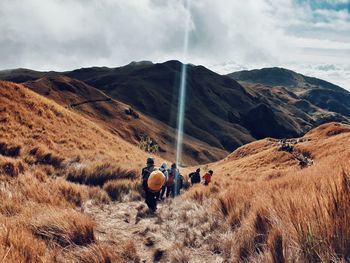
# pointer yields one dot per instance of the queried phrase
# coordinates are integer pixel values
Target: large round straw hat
(156, 180)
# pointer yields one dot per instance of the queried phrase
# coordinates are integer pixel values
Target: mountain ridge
(221, 113)
(276, 75)
(319, 92)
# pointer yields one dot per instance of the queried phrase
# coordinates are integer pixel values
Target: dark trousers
(162, 192)
(195, 182)
(170, 189)
(158, 195)
(151, 200)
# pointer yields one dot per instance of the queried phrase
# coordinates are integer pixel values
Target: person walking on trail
(146, 171)
(164, 169)
(195, 177)
(175, 181)
(170, 185)
(152, 181)
(179, 181)
(207, 177)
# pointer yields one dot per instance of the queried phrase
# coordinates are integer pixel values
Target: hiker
(179, 182)
(164, 170)
(207, 177)
(170, 184)
(150, 196)
(195, 177)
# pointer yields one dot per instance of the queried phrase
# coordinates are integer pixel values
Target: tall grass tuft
(39, 155)
(117, 189)
(325, 233)
(10, 151)
(275, 244)
(98, 175)
(64, 227)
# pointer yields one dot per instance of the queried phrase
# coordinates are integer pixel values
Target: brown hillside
(221, 114)
(266, 159)
(267, 208)
(262, 205)
(30, 120)
(120, 119)
(43, 146)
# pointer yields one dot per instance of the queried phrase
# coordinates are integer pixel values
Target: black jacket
(195, 177)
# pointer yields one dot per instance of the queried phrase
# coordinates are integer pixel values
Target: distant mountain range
(317, 91)
(222, 112)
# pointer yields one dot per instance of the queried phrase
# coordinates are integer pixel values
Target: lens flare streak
(182, 94)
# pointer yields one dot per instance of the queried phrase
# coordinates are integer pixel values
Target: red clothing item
(207, 178)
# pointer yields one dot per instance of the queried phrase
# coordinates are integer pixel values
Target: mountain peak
(276, 76)
(140, 63)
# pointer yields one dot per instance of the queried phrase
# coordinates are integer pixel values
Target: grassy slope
(220, 112)
(261, 207)
(111, 115)
(264, 158)
(274, 211)
(41, 144)
(30, 119)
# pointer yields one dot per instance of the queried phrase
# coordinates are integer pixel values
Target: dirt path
(288, 145)
(118, 222)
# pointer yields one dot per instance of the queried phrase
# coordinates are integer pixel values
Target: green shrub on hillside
(148, 145)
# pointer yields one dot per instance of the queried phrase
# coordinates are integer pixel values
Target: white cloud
(339, 75)
(334, 2)
(67, 34)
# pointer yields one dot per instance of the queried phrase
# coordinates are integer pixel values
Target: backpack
(171, 178)
(195, 178)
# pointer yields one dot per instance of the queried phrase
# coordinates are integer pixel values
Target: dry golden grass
(302, 217)
(98, 174)
(34, 122)
(38, 155)
(95, 253)
(64, 227)
(11, 167)
(118, 189)
(8, 150)
(38, 216)
(295, 215)
(19, 245)
(40, 144)
(260, 207)
(98, 195)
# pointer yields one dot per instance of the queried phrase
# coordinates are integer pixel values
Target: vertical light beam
(182, 93)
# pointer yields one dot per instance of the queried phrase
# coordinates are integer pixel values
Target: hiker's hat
(150, 160)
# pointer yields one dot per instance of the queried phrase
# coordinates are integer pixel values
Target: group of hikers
(162, 182)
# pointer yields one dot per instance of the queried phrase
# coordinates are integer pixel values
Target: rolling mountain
(261, 194)
(221, 114)
(320, 93)
(20, 75)
(219, 111)
(119, 118)
(33, 121)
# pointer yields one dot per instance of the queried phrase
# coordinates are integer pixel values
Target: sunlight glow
(182, 93)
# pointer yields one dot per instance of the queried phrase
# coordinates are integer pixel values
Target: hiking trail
(117, 223)
(287, 145)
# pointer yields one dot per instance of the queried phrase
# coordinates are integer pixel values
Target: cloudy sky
(309, 36)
